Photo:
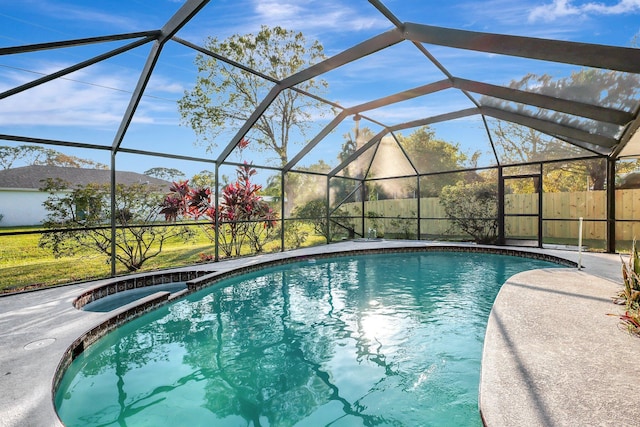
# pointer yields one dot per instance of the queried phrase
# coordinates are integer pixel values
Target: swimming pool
(391, 339)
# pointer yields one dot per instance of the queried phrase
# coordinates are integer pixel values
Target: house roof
(33, 177)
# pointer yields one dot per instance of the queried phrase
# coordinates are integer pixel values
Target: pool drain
(39, 344)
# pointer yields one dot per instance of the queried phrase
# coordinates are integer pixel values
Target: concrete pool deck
(553, 355)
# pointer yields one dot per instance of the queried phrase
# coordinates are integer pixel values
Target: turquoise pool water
(374, 340)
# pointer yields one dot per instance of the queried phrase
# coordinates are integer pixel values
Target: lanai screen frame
(582, 54)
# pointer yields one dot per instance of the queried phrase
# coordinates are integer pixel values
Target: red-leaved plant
(242, 215)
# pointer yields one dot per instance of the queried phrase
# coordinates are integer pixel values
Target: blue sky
(87, 105)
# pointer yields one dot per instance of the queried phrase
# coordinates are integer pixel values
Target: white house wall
(22, 207)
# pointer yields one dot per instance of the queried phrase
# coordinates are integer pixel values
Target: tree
(29, 154)
(608, 89)
(168, 174)
(342, 189)
(79, 218)
(307, 186)
(315, 212)
(427, 153)
(204, 178)
(473, 208)
(224, 96)
(242, 215)
(301, 186)
(36, 155)
(56, 158)
(432, 155)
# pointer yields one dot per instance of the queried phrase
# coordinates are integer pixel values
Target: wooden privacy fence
(560, 214)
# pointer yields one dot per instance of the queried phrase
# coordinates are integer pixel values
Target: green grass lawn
(24, 265)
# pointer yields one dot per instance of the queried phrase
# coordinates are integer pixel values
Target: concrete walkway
(555, 353)
(552, 355)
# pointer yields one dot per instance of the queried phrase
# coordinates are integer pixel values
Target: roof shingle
(33, 177)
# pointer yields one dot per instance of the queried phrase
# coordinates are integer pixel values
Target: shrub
(630, 295)
(241, 217)
(315, 213)
(295, 236)
(473, 208)
(79, 217)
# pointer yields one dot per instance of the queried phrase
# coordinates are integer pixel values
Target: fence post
(501, 225)
(611, 205)
(580, 243)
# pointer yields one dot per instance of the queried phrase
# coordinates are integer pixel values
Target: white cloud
(624, 6)
(509, 17)
(493, 12)
(89, 98)
(67, 11)
(317, 15)
(274, 10)
(60, 103)
(565, 8)
(163, 84)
